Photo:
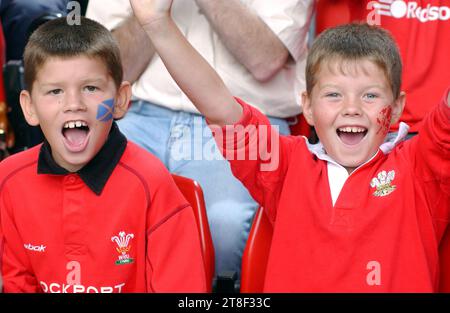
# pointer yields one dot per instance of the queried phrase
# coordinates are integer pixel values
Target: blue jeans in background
(178, 139)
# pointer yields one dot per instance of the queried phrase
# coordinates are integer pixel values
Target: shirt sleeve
(15, 267)
(430, 151)
(174, 255)
(289, 20)
(110, 14)
(257, 154)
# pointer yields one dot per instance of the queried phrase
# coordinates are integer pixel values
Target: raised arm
(429, 153)
(192, 73)
(136, 49)
(246, 36)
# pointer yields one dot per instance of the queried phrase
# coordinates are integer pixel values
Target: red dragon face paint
(384, 120)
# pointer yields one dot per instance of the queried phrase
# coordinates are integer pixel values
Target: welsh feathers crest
(123, 247)
(383, 183)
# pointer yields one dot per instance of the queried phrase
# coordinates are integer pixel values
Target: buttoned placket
(73, 216)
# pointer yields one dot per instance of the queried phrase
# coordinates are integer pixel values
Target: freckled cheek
(384, 120)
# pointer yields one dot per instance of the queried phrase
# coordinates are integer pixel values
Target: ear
(28, 109)
(123, 98)
(397, 107)
(306, 108)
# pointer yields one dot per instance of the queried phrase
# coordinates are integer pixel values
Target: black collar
(95, 174)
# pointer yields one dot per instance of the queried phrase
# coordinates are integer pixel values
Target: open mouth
(351, 135)
(75, 134)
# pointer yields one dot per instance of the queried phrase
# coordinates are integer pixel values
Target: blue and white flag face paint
(105, 110)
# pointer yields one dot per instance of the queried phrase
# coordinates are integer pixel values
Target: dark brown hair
(354, 42)
(57, 38)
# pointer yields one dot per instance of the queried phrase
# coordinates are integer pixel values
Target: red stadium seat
(300, 127)
(194, 195)
(256, 254)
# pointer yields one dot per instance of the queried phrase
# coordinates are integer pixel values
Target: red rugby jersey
(138, 234)
(383, 232)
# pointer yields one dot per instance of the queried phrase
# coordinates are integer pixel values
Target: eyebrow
(94, 80)
(84, 81)
(376, 86)
(51, 85)
(367, 87)
(328, 85)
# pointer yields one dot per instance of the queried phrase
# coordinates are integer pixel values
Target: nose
(73, 102)
(351, 107)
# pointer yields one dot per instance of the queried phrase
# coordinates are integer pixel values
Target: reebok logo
(402, 9)
(30, 247)
(65, 288)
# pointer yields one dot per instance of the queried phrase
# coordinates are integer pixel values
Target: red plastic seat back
(256, 254)
(300, 127)
(193, 193)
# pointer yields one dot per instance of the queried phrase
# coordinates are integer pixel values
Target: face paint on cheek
(105, 110)
(384, 120)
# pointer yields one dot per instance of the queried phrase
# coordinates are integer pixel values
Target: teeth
(73, 124)
(352, 129)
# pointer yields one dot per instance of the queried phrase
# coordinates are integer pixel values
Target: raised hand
(185, 64)
(147, 11)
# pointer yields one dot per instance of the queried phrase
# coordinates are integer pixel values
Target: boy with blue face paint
(87, 211)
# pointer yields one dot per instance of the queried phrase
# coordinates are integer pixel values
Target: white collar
(390, 143)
